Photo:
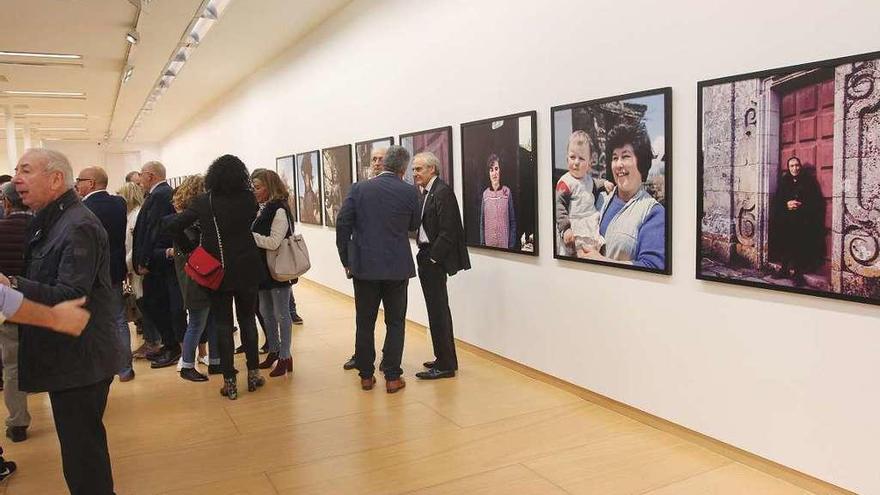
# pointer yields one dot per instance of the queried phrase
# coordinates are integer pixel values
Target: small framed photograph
(284, 167)
(364, 155)
(336, 171)
(437, 141)
(308, 187)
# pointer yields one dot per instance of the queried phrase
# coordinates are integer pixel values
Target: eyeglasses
(80, 179)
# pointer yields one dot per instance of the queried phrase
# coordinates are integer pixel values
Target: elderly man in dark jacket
(68, 257)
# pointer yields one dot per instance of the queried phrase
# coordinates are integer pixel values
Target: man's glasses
(80, 179)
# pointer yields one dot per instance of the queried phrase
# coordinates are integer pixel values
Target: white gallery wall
(790, 378)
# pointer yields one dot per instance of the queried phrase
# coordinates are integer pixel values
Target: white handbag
(291, 259)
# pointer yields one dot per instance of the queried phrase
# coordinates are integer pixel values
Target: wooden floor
(489, 430)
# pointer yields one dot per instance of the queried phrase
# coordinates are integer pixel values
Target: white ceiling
(248, 34)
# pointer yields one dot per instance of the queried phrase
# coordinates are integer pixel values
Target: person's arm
(277, 233)
(448, 225)
(176, 228)
(651, 241)
(67, 317)
(563, 204)
(345, 226)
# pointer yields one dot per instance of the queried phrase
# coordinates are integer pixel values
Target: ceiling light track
(204, 19)
(68, 56)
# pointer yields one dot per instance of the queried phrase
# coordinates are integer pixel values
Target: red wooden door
(807, 131)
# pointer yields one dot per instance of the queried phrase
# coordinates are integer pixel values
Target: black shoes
(349, 365)
(429, 364)
(17, 433)
(192, 375)
(6, 467)
(297, 320)
(434, 374)
(168, 358)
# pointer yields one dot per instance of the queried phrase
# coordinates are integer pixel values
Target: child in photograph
(579, 199)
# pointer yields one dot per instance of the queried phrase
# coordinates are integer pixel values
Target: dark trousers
(221, 310)
(79, 421)
(164, 305)
(433, 279)
(367, 295)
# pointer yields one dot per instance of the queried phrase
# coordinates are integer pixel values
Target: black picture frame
(666, 158)
(446, 164)
(315, 163)
(331, 198)
(480, 138)
(362, 151)
(288, 176)
(855, 83)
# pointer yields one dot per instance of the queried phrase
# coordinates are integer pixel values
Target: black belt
(424, 245)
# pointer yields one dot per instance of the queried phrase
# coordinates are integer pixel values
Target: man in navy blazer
(91, 185)
(372, 238)
(152, 258)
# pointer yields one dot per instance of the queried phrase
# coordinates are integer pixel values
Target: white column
(27, 136)
(11, 145)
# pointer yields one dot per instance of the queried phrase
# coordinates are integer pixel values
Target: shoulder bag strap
(217, 229)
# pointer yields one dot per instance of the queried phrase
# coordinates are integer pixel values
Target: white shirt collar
(155, 186)
(430, 183)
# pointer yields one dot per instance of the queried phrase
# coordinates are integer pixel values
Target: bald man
(91, 185)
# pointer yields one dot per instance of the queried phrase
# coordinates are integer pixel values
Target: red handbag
(202, 266)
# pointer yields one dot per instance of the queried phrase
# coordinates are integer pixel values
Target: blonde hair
(191, 187)
(271, 181)
(132, 194)
(581, 138)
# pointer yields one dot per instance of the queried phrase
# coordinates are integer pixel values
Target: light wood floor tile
(626, 464)
(504, 481)
(733, 479)
(256, 484)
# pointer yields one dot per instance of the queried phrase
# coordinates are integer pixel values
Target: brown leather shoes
(392, 386)
(367, 383)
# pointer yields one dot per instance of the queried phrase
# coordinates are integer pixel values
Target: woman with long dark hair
(226, 213)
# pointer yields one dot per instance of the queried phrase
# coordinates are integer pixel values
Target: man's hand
(169, 253)
(69, 317)
(4, 280)
(793, 204)
(141, 270)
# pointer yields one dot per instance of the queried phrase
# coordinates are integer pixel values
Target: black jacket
(235, 214)
(442, 223)
(67, 258)
(263, 226)
(113, 214)
(149, 241)
(13, 237)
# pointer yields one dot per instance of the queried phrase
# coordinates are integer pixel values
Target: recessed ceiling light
(44, 93)
(132, 37)
(40, 55)
(58, 115)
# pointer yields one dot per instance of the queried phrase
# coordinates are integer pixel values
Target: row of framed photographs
(788, 193)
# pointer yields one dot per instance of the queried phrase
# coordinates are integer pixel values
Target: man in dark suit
(152, 258)
(442, 252)
(371, 236)
(91, 185)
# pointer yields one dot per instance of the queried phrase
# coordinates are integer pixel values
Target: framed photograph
(612, 181)
(284, 168)
(308, 188)
(364, 153)
(336, 171)
(500, 183)
(437, 141)
(789, 179)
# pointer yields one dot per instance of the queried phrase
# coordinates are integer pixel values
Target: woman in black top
(230, 201)
(799, 222)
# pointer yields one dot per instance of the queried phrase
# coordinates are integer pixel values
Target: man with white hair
(151, 249)
(67, 257)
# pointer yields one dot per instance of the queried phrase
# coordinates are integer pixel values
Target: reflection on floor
(489, 430)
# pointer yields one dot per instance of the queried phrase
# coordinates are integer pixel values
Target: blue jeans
(275, 308)
(198, 320)
(123, 333)
(292, 303)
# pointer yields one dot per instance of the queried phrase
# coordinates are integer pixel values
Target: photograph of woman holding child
(610, 162)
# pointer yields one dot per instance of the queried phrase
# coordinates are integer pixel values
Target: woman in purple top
(632, 222)
(497, 215)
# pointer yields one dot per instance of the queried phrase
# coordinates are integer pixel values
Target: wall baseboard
(767, 466)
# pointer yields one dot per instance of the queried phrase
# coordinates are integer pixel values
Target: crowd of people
(80, 266)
